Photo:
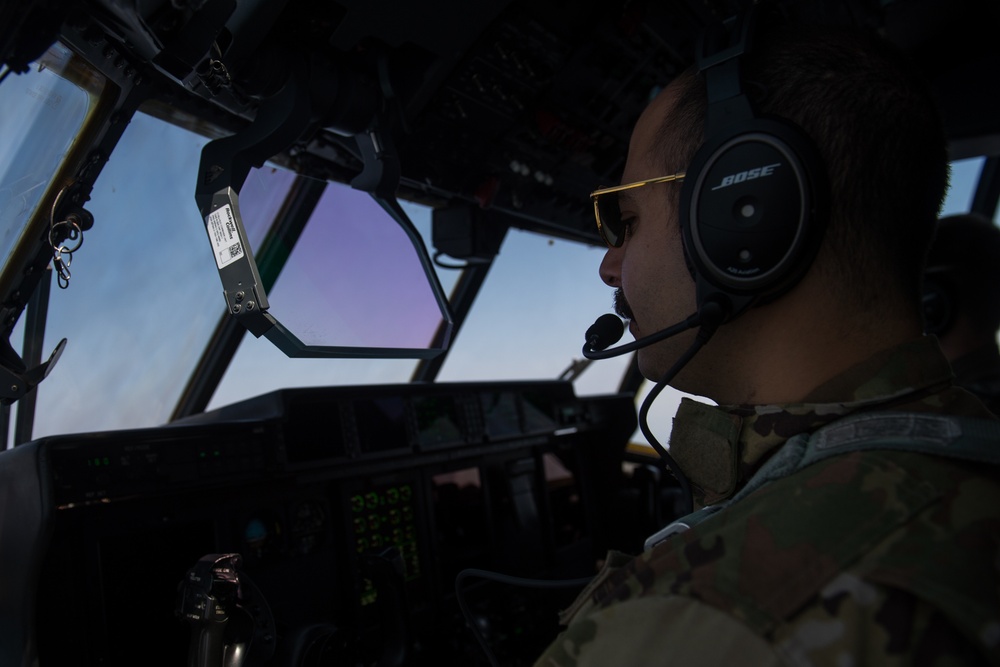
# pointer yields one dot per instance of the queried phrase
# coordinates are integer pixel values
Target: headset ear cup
(753, 211)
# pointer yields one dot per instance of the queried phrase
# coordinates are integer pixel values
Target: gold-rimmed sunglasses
(608, 212)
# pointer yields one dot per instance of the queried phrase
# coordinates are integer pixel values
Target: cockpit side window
(43, 113)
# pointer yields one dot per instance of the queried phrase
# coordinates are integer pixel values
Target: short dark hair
(877, 129)
(966, 256)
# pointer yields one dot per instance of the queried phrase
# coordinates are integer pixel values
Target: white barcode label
(221, 227)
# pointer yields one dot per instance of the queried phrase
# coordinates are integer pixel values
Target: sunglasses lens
(609, 218)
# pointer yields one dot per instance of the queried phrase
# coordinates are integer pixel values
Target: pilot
(962, 301)
(847, 493)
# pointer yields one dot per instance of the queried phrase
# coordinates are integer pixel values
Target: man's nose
(611, 267)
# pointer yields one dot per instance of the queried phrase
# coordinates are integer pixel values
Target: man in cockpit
(848, 493)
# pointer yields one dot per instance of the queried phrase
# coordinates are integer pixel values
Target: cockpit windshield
(352, 279)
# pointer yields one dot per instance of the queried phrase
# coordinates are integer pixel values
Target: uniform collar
(719, 448)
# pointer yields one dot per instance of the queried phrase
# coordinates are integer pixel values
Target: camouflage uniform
(880, 556)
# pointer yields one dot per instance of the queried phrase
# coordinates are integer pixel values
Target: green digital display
(383, 518)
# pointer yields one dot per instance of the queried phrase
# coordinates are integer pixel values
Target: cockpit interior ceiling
(518, 107)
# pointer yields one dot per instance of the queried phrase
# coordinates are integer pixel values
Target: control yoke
(231, 623)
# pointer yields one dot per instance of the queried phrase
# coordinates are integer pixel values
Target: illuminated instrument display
(383, 519)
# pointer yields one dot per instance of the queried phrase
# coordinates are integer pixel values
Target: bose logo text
(748, 175)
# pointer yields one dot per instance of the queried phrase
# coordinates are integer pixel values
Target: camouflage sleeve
(663, 630)
(857, 622)
(852, 622)
(876, 558)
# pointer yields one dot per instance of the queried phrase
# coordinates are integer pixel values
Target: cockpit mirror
(365, 286)
(355, 283)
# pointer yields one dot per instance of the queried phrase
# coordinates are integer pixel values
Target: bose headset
(754, 203)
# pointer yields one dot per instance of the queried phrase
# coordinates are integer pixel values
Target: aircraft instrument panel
(346, 512)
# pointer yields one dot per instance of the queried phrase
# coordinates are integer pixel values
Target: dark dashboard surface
(352, 510)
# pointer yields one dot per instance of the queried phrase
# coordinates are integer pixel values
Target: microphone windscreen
(606, 331)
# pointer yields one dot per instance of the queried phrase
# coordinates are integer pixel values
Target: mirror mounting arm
(225, 164)
(381, 173)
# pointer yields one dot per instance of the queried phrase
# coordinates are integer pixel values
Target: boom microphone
(608, 329)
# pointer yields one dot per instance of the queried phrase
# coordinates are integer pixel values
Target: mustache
(622, 309)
